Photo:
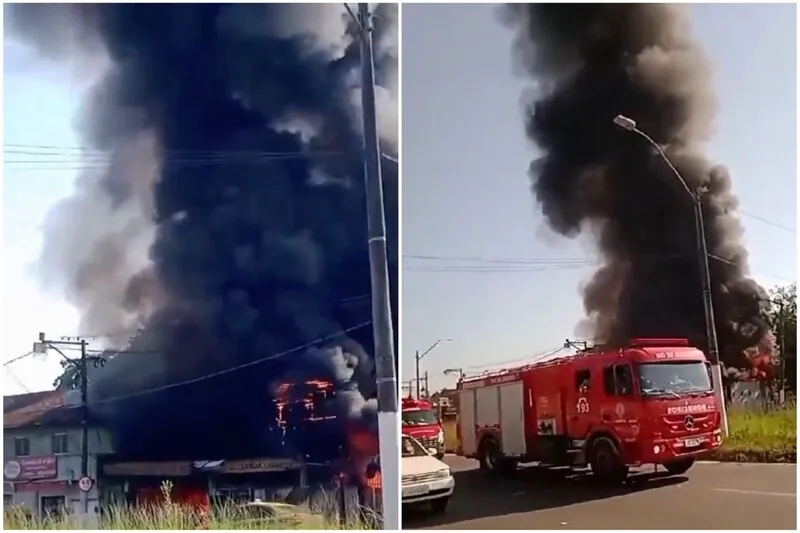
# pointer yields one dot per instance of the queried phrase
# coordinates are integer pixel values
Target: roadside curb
(745, 463)
(753, 456)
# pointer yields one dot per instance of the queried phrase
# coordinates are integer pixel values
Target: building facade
(42, 446)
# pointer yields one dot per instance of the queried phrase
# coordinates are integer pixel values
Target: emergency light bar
(660, 343)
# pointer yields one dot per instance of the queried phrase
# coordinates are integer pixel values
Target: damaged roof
(48, 408)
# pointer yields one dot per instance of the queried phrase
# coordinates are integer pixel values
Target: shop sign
(260, 465)
(30, 468)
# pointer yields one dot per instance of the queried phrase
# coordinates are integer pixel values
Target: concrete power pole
(81, 364)
(388, 417)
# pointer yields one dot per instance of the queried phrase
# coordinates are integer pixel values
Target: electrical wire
(527, 358)
(79, 158)
(19, 357)
(526, 265)
(15, 378)
(218, 373)
(234, 368)
(350, 300)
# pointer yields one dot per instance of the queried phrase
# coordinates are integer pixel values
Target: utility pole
(418, 358)
(388, 417)
(782, 341)
(81, 364)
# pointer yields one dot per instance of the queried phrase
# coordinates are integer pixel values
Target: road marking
(744, 464)
(759, 492)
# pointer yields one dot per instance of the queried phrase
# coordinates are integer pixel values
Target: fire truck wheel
(439, 505)
(680, 466)
(492, 460)
(490, 455)
(606, 463)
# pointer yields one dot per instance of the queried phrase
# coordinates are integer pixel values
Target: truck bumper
(663, 450)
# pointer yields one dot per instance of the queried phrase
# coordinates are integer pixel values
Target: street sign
(85, 484)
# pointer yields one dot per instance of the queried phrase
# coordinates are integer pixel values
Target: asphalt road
(709, 496)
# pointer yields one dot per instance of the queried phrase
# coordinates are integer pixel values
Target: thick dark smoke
(591, 62)
(226, 218)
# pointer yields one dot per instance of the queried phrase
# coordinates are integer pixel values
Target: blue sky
(465, 188)
(39, 102)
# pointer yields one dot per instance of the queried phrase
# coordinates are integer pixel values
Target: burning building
(221, 215)
(591, 62)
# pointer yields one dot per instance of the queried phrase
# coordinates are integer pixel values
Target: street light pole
(418, 358)
(454, 371)
(388, 418)
(702, 250)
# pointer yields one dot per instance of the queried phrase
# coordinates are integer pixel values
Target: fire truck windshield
(419, 417)
(676, 378)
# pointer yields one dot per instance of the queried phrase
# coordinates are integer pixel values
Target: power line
(527, 358)
(15, 378)
(218, 373)
(526, 265)
(86, 159)
(19, 357)
(769, 222)
(350, 300)
(235, 368)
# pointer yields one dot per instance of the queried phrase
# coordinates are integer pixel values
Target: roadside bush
(766, 435)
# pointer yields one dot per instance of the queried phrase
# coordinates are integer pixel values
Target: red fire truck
(650, 402)
(421, 422)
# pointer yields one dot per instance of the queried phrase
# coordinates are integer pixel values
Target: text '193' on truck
(649, 402)
(421, 421)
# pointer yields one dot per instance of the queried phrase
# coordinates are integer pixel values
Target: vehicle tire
(440, 455)
(679, 466)
(490, 455)
(439, 505)
(607, 465)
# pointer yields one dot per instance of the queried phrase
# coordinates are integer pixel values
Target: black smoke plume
(589, 63)
(222, 215)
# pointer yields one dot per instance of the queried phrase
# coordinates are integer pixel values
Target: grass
(171, 515)
(767, 436)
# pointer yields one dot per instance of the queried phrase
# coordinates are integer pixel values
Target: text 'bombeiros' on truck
(649, 402)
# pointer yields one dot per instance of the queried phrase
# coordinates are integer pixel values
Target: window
(60, 443)
(583, 380)
(53, 506)
(419, 418)
(624, 379)
(22, 446)
(618, 380)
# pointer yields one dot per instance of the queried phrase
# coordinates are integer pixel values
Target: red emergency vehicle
(421, 422)
(650, 402)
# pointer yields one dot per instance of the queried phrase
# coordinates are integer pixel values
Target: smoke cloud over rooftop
(589, 63)
(221, 212)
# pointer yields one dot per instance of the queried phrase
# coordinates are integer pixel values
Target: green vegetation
(768, 436)
(171, 515)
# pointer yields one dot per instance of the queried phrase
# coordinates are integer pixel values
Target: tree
(787, 297)
(70, 378)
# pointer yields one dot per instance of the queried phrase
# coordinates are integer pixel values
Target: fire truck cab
(650, 402)
(421, 422)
